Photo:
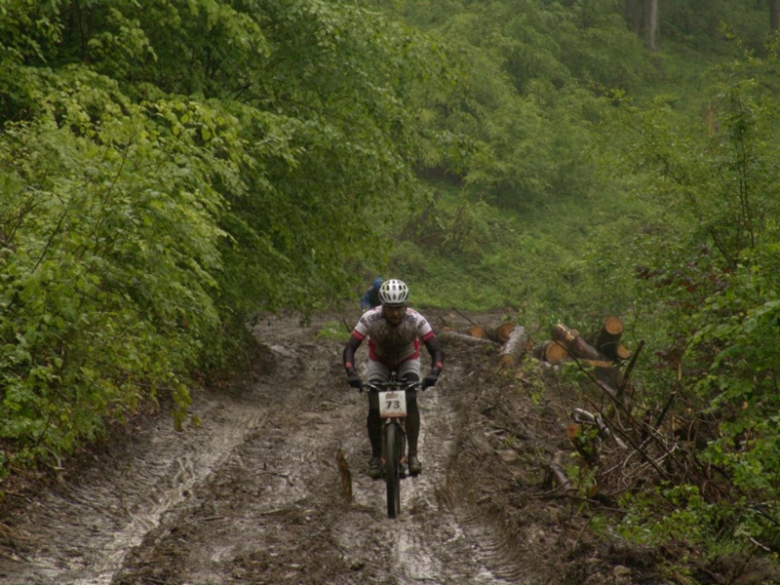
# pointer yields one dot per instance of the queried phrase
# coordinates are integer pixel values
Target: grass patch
(334, 330)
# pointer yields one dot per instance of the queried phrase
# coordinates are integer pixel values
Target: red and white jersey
(393, 345)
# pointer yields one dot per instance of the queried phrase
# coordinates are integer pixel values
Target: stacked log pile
(514, 343)
(511, 339)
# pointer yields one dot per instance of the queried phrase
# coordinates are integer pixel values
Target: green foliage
(713, 293)
(109, 238)
(335, 331)
(169, 172)
(562, 264)
(534, 77)
(681, 514)
(699, 23)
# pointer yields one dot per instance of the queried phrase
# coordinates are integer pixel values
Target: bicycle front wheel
(392, 469)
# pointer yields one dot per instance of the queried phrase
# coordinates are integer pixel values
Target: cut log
(514, 348)
(445, 336)
(504, 331)
(602, 363)
(577, 346)
(563, 334)
(550, 351)
(555, 353)
(501, 333)
(609, 338)
(623, 353)
(582, 349)
(478, 332)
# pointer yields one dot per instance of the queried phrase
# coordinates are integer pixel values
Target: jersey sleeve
(424, 329)
(361, 329)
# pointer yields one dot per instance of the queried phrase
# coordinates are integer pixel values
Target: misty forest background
(169, 169)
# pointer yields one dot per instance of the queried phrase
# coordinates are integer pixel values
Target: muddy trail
(255, 495)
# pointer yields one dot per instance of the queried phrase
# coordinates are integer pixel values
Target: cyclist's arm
(348, 357)
(437, 355)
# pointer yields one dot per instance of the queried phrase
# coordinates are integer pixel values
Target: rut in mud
(255, 496)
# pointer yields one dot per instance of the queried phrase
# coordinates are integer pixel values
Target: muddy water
(254, 495)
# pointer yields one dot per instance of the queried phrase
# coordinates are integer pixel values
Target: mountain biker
(394, 332)
(371, 298)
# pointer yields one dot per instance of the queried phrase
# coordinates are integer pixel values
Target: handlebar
(384, 386)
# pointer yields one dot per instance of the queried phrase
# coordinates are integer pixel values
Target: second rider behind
(394, 332)
(371, 297)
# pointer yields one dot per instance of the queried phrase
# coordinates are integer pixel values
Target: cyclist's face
(394, 315)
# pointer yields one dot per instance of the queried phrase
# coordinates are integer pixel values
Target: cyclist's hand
(430, 379)
(354, 381)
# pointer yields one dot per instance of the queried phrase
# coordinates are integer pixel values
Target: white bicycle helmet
(394, 293)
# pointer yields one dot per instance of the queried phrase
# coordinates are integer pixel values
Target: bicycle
(392, 411)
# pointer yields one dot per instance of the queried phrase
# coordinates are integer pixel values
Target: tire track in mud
(435, 551)
(81, 534)
(269, 509)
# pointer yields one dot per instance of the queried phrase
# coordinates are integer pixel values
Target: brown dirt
(254, 494)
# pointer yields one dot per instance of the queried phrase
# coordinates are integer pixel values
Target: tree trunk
(651, 24)
(774, 14)
(608, 375)
(514, 348)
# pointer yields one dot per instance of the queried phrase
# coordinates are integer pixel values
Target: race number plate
(392, 404)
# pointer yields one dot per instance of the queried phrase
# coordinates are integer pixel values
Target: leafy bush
(714, 295)
(152, 204)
